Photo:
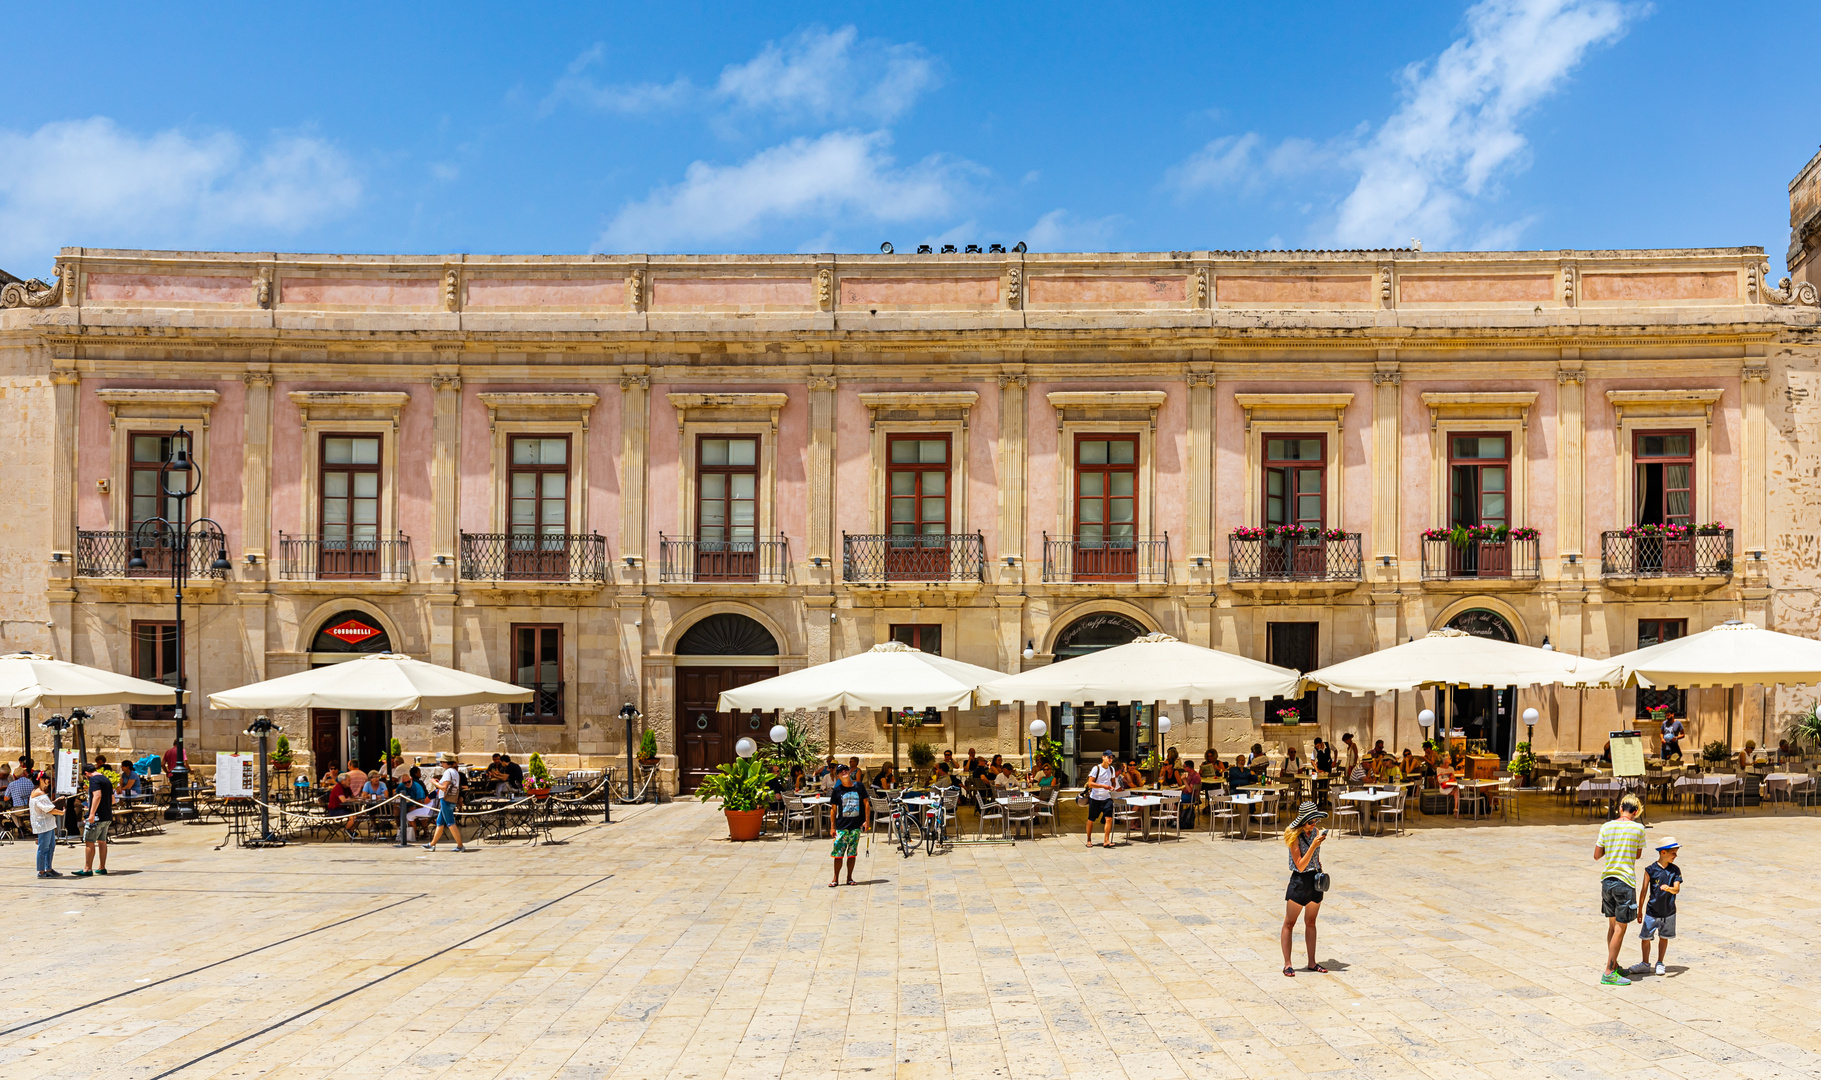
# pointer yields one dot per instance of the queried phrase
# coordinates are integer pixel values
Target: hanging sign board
(352, 632)
(66, 772)
(234, 774)
(1627, 753)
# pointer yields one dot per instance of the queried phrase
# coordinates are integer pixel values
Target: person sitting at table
(411, 786)
(1190, 782)
(19, 789)
(945, 776)
(1257, 757)
(1745, 755)
(330, 777)
(129, 786)
(1324, 757)
(1004, 778)
(886, 777)
(1045, 778)
(340, 804)
(1446, 782)
(355, 776)
(1410, 765)
(1238, 776)
(1390, 771)
(1171, 757)
(1131, 777)
(374, 790)
(1293, 764)
(515, 773)
(1606, 753)
(948, 758)
(794, 782)
(970, 761)
(1210, 766)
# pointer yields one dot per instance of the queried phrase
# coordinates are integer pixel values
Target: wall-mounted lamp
(1030, 648)
(101, 485)
(832, 616)
(56, 556)
(1757, 556)
(630, 561)
(817, 561)
(252, 559)
(1546, 646)
(1573, 558)
(1200, 561)
(442, 560)
(1384, 560)
(638, 622)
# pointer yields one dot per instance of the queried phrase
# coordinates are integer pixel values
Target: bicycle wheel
(901, 829)
(931, 828)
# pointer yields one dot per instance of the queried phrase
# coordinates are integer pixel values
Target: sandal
(834, 884)
(1289, 973)
(1317, 968)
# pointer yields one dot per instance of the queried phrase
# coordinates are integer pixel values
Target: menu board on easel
(1627, 753)
(233, 774)
(66, 772)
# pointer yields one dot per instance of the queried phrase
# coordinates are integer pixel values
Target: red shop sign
(353, 632)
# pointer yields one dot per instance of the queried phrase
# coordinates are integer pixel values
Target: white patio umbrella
(888, 676)
(35, 681)
(1452, 657)
(1730, 654)
(379, 681)
(1156, 667)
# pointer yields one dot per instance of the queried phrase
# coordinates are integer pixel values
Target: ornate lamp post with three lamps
(179, 479)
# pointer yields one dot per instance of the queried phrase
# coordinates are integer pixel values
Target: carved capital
(1382, 378)
(1014, 287)
(822, 383)
(1755, 374)
(1020, 381)
(446, 382)
(1570, 375)
(65, 377)
(256, 378)
(452, 291)
(635, 382)
(825, 289)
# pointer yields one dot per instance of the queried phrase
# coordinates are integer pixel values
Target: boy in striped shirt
(1620, 844)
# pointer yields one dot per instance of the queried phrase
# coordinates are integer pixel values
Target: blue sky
(687, 127)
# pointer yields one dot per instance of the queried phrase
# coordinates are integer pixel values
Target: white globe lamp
(1039, 729)
(1530, 717)
(1425, 719)
(745, 747)
(1163, 725)
(779, 733)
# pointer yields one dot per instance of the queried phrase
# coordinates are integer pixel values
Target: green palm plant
(1805, 729)
(740, 785)
(800, 747)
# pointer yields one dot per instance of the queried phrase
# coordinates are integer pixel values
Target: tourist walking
(1303, 897)
(44, 824)
(1621, 842)
(96, 819)
(1672, 737)
(850, 805)
(448, 797)
(1102, 781)
(1665, 879)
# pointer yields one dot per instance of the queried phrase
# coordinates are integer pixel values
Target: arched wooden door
(716, 655)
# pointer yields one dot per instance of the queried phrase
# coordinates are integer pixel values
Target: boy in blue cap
(1659, 915)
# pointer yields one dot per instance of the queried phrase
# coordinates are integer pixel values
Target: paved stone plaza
(654, 948)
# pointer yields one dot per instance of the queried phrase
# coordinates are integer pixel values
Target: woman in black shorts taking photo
(1303, 898)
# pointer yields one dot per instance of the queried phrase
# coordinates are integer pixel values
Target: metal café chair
(1223, 813)
(1021, 814)
(1046, 811)
(989, 809)
(1168, 816)
(1266, 811)
(1345, 810)
(1393, 809)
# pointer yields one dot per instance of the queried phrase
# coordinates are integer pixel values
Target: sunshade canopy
(1730, 654)
(1456, 658)
(1156, 667)
(888, 676)
(379, 681)
(35, 681)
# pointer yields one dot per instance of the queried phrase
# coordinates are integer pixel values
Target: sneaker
(1613, 978)
(1639, 969)
(429, 847)
(102, 871)
(1661, 970)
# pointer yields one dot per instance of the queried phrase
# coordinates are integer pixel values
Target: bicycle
(926, 825)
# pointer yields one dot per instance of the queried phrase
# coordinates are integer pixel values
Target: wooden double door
(705, 735)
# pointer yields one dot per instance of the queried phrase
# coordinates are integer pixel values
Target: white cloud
(813, 75)
(89, 182)
(1245, 163)
(1059, 230)
(1457, 128)
(843, 173)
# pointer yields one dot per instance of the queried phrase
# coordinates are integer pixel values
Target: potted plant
(922, 756)
(1805, 730)
(648, 748)
(742, 787)
(1523, 764)
(540, 776)
(280, 757)
(800, 747)
(1290, 716)
(1715, 752)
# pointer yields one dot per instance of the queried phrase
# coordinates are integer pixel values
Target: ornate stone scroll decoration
(635, 289)
(262, 287)
(822, 382)
(34, 293)
(1199, 378)
(825, 289)
(1020, 381)
(1564, 376)
(1014, 287)
(1384, 286)
(630, 382)
(1201, 288)
(1802, 293)
(1568, 285)
(1755, 374)
(445, 382)
(452, 291)
(1380, 378)
(257, 378)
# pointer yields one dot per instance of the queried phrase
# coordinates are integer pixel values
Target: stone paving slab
(669, 952)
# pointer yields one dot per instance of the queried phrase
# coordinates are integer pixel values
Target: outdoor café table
(1372, 799)
(1786, 783)
(816, 803)
(1245, 820)
(1476, 786)
(1144, 803)
(1709, 787)
(1019, 799)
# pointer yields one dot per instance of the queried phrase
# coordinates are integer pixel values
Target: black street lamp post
(263, 727)
(630, 714)
(179, 479)
(58, 725)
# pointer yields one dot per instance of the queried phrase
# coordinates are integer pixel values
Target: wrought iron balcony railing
(1630, 553)
(106, 553)
(1510, 558)
(575, 557)
(1293, 558)
(545, 706)
(344, 558)
(913, 557)
(1070, 560)
(709, 561)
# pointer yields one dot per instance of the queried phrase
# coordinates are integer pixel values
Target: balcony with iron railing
(1479, 553)
(343, 558)
(1275, 554)
(1072, 560)
(545, 706)
(1667, 551)
(117, 553)
(710, 562)
(913, 558)
(576, 558)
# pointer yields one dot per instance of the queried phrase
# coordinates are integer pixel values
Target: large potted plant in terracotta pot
(742, 788)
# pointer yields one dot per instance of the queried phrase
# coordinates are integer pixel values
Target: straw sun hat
(1307, 812)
